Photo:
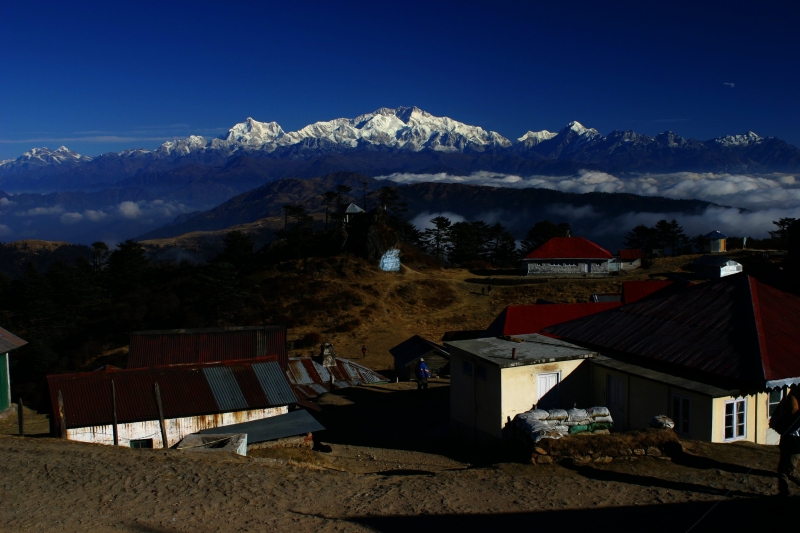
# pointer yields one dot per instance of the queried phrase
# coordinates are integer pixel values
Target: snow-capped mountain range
(405, 131)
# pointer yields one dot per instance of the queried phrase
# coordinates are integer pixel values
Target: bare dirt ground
(387, 466)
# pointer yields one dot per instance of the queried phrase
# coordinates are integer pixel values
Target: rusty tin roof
(310, 379)
(182, 346)
(186, 390)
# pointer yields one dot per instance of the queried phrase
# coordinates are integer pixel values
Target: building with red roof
(716, 357)
(629, 259)
(568, 257)
(523, 319)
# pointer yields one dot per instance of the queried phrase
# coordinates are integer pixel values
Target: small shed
(715, 266)
(630, 259)
(408, 353)
(496, 378)
(8, 342)
(350, 211)
(716, 242)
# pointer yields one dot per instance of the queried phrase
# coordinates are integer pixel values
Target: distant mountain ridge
(518, 206)
(391, 136)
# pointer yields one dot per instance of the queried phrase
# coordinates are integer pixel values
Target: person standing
(363, 350)
(786, 421)
(423, 374)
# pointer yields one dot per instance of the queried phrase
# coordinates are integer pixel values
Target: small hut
(716, 267)
(350, 211)
(408, 353)
(716, 242)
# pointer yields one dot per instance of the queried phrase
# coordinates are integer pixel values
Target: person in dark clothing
(363, 351)
(786, 421)
(423, 374)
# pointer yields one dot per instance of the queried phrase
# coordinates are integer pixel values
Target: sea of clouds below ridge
(764, 198)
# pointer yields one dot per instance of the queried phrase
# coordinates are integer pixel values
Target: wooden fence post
(114, 412)
(21, 418)
(161, 416)
(62, 416)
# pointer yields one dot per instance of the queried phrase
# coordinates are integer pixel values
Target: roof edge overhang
(780, 383)
(570, 258)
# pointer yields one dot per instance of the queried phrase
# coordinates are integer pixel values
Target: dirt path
(50, 485)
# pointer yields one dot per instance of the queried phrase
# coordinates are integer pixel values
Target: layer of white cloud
(767, 197)
(5, 230)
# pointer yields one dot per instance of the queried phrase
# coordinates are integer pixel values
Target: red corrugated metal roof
(630, 255)
(185, 391)
(521, 319)
(182, 346)
(633, 291)
(736, 328)
(778, 318)
(569, 248)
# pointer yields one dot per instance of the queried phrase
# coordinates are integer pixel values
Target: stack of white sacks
(539, 424)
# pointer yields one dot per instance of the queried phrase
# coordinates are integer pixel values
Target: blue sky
(105, 76)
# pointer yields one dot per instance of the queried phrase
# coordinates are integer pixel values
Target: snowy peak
(532, 138)
(746, 139)
(46, 156)
(253, 133)
(579, 128)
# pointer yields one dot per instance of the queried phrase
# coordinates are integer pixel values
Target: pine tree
(437, 239)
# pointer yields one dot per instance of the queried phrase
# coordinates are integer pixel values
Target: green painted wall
(5, 383)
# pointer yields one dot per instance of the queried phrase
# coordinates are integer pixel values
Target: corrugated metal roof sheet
(569, 248)
(521, 319)
(274, 383)
(9, 341)
(186, 346)
(310, 379)
(226, 391)
(736, 328)
(291, 424)
(186, 390)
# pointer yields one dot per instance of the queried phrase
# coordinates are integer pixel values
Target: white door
(615, 398)
(545, 383)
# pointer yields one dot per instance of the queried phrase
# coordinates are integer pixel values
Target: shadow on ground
(733, 514)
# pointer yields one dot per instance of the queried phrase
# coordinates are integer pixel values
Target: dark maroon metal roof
(736, 328)
(182, 346)
(415, 347)
(186, 390)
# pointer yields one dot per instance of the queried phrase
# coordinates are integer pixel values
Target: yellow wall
(487, 405)
(645, 398)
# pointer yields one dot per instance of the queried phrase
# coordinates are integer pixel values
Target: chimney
(513, 353)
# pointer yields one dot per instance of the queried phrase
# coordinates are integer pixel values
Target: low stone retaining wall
(585, 448)
(300, 441)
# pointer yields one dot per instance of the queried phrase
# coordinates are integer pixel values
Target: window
(775, 397)
(735, 419)
(466, 368)
(547, 390)
(480, 372)
(141, 443)
(681, 413)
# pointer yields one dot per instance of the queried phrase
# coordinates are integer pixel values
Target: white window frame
(678, 417)
(735, 437)
(770, 403)
(557, 386)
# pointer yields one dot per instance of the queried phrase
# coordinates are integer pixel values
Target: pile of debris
(537, 424)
